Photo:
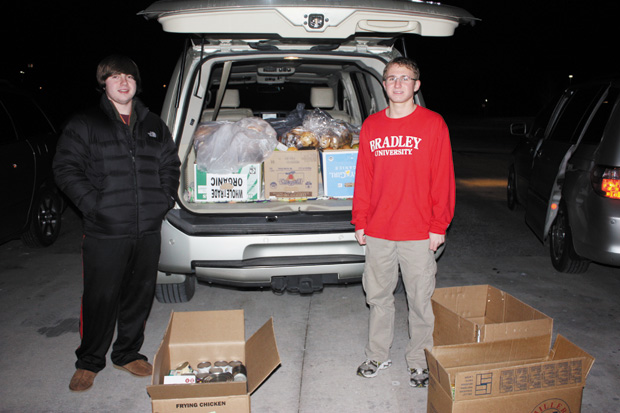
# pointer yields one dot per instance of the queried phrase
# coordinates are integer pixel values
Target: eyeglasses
(402, 79)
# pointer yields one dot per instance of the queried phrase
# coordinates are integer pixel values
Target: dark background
(56, 47)
(518, 55)
(508, 64)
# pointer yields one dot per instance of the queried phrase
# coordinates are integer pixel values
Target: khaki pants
(418, 269)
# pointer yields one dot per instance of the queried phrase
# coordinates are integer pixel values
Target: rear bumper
(594, 253)
(595, 223)
(263, 276)
(255, 259)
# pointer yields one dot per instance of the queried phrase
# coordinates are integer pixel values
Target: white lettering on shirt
(394, 145)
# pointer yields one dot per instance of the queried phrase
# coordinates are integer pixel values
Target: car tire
(176, 292)
(45, 219)
(511, 189)
(563, 255)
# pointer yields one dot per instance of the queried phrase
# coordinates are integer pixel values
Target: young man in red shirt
(403, 203)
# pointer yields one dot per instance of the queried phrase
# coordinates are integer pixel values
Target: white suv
(269, 59)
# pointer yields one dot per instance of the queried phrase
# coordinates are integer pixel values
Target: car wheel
(176, 292)
(511, 189)
(45, 219)
(563, 255)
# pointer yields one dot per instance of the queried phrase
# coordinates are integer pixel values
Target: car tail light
(606, 181)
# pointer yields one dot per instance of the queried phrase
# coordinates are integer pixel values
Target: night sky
(511, 61)
(518, 55)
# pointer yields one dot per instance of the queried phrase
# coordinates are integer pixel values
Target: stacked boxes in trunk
(338, 172)
(287, 174)
(243, 185)
(196, 337)
(292, 174)
(236, 161)
(492, 353)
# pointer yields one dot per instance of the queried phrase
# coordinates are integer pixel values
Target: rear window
(362, 85)
(575, 114)
(594, 132)
(273, 98)
(539, 126)
(277, 87)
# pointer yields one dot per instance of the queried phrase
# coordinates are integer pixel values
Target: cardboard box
(519, 375)
(210, 336)
(292, 174)
(338, 171)
(241, 186)
(481, 313)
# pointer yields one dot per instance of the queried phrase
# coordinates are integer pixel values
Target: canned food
(209, 378)
(239, 372)
(226, 376)
(202, 377)
(203, 367)
(182, 369)
(183, 365)
(217, 375)
(223, 365)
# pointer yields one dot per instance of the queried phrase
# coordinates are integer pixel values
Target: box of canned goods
(207, 372)
(205, 362)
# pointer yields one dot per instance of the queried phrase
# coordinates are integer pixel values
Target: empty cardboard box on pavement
(480, 313)
(508, 376)
(292, 174)
(210, 336)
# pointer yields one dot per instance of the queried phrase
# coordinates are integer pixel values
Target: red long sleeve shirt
(404, 179)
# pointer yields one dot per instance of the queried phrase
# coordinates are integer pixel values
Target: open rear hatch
(316, 19)
(295, 25)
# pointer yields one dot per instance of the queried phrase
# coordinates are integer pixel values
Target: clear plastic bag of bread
(300, 137)
(329, 132)
(225, 147)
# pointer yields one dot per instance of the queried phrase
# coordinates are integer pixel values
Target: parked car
(31, 206)
(263, 59)
(566, 174)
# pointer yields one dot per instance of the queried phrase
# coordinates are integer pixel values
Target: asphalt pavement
(320, 337)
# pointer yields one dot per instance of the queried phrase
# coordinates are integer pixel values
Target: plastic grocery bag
(319, 130)
(317, 120)
(224, 147)
(293, 119)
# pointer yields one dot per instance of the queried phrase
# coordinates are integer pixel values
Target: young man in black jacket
(119, 165)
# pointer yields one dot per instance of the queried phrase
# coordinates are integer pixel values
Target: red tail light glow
(606, 181)
(611, 187)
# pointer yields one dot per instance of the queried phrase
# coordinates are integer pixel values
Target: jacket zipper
(132, 151)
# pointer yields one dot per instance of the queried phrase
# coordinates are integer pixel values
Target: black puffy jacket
(122, 179)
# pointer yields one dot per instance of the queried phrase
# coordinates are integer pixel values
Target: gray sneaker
(418, 377)
(370, 368)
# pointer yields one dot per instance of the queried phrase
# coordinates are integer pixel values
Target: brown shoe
(140, 368)
(82, 380)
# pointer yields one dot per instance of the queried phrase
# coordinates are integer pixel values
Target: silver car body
(595, 219)
(556, 170)
(342, 44)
